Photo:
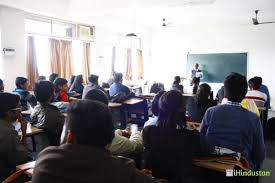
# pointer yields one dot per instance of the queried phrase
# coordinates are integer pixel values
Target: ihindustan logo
(249, 173)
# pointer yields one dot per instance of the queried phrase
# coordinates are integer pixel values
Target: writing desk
(188, 95)
(133, 101)
(31, 131)
(114, 105)
(149, 96)
(193, 125)
(29, 166)
(28, 112)
(216, 166)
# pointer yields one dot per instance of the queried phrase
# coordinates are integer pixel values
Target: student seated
(77, 85)
(264, 89)
(87, 130)
(93, 84)
(1, 86)
(61, 89)
(52, 77)
(248, 104)
(169, 145)
(220, 94)
(71, 81)
(117, 86)
(45, 115)
(41, 78)
(176, 85)
(155, 110)
(196, 107)
(125, 142)
(157, 87)
(259, 97)
(26, 98)
(232, 126)
(13, 150)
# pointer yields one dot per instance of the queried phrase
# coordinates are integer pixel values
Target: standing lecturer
(196, 75)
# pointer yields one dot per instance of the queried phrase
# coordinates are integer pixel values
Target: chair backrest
(138, 113)
(15, 175)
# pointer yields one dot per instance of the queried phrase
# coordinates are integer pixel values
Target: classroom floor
(269, 162)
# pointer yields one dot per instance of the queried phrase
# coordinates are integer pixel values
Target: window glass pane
(120, 62)
(63, 29)
(35, 26)
(77, 56)
(42, 55)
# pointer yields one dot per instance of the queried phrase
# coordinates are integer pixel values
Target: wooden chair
(16, 175)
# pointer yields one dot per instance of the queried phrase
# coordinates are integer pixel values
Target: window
(63, 29)
(42, 55)
(77, 56)
(43, 28)
(58, 28)
(120, 61)
(38, 26)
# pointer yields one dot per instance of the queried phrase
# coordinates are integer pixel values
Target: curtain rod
(57, 37)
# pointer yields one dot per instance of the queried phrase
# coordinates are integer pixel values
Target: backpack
(121, 97)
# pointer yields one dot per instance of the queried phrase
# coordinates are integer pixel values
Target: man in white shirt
(196, 75)
(259, 97)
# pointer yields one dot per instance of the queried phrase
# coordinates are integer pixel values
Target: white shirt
(256, 94)
(259, 98)
(122, 146)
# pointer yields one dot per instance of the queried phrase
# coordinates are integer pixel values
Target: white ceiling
(151, 12)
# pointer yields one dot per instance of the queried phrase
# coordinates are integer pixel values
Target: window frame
(53, 21)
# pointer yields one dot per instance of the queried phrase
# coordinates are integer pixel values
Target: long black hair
(172, 110)
(77, 84)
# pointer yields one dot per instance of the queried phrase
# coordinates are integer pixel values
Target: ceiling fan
(166, 24)
(256, 22)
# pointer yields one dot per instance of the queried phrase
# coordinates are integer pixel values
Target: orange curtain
(66, 59)
(140, 65)
(86, 61)
(61, 58)
(129, 69)
(55, 56)
(32, 70)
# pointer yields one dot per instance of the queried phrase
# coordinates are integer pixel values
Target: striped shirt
(259, 98)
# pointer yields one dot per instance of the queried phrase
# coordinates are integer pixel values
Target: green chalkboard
(216, 67)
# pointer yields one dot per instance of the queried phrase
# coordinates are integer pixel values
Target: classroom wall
(52, 7)
(12, 35)
(171, 45)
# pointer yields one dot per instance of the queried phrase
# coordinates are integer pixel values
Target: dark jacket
(169, 152)
(177, 87)
(25, 98)
(75, 163)
(47, 116)
(197, 110)
(12, 151)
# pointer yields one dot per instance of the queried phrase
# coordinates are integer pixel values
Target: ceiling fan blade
(266, 23)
